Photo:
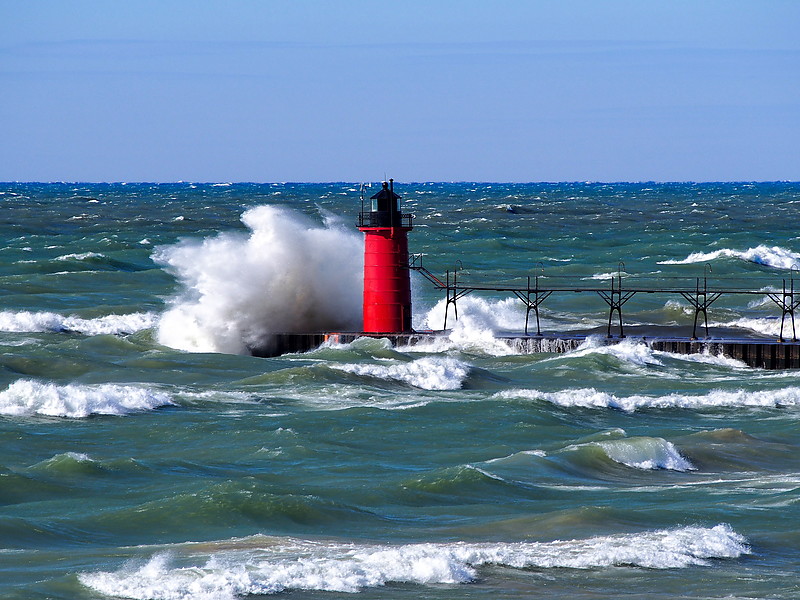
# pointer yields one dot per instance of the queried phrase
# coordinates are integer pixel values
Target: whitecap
(629, 350)
(42, 322)
(428, 373)
(75, 457)
(765, 325)
(479, 314)
(636, 351)
(775, 256)
(80, 256)
(26, 397)
(335, 567)
(602, 276)
(78, 457)
(475, 330)
(592, 398)
(707, 358)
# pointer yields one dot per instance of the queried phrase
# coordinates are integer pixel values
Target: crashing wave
(42, 322)
(428, 373)
(299, 565)
(776, 257)
(286, 275)
(592, 398)
(26, 398)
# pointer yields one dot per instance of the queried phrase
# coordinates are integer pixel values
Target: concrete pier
(758, 352)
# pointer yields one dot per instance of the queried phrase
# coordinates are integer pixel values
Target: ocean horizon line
(413, 182)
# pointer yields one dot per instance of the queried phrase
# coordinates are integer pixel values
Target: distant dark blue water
(146, 455)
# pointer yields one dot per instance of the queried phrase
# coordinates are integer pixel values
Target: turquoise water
(146, 455)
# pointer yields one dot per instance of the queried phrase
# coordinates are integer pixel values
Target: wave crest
(428, 373)
(300, 565)
(775, 256)
(25, 398)
(592, 398)
(646, 453)
(43, 322)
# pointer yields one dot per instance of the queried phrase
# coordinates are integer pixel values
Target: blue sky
(326, 90)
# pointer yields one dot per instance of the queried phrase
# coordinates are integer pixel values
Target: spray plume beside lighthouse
(387, 282)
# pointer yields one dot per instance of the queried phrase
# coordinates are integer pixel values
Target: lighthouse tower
(387, 284)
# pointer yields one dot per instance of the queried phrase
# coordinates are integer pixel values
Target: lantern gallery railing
(616, 294)
(384, 219)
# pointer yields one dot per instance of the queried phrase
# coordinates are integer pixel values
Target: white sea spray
(765, 325)
(335, 567)
(428, 373)
(26, 397)
(475, 330)
(80, 256)
(628, 350)
(45, 321)
(288, 274)
(775, 256)
(636, 352)
(593, 398)
(479, 313)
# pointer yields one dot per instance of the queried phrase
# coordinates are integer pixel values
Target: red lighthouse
(387, 284)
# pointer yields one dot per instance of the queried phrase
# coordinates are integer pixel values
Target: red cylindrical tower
(387, 283)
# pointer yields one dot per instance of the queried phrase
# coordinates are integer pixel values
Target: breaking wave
(286, 275)
(26, 398)
(646, 453)
(80, 256)
(777, 257)
(30, 322)
(479, 313)
(636, 352)
(628, 350)
(592, 398)
(765, 325)
(474, 331)
(269, 566)
(428, 373)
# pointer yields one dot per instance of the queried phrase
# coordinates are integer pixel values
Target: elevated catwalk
(387, 302)
(762, 353)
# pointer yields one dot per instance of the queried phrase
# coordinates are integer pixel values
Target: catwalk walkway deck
(752, 349)
(620, 289)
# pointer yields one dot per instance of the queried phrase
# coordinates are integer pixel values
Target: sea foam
(637, 352)
(42, 322)
(286, 275)
(628, 350)
(592, 398)
(428, 373)
(765, 325)
(26, 397)
(775, 256)
(497, 315)
(80, 256)
(301, 565)
(474, 330)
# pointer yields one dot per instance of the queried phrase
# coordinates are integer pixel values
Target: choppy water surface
(145, 455)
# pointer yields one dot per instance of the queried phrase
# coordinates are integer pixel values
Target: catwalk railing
(621, 288)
